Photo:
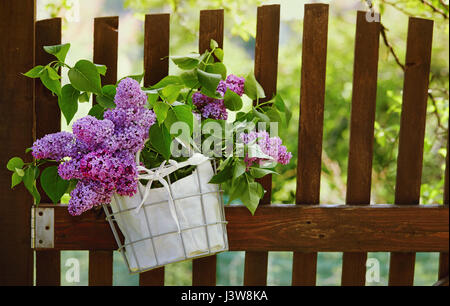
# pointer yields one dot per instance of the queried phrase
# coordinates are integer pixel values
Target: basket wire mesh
(128, 249)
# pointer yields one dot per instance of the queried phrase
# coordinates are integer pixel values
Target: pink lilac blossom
(215, 108)
(100, 153)
(271, 146)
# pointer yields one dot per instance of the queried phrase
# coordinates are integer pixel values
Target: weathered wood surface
(156, 67)
(310, 131)
(266, 68)
(16, 134)
(359, 174)
(412, 132)
(375, 228)
(211, 27)
(48, 120)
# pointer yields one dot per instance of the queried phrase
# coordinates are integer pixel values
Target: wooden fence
(29, 111)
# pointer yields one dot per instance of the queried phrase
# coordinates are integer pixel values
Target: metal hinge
(42, 228)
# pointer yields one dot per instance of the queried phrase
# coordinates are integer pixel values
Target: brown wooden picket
(304, 229)
(359, 174)
(48, 120)
(266, 66)
(310, 132)
(412, 132)
(156, 66)
(106, 40)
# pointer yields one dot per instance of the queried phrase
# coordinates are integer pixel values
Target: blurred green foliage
(240, 28)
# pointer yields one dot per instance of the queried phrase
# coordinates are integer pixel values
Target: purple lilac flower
(129, 94)
(101, 152)
(271, 146)
(214, 108)
(54, 146)
(92, 131)
(87, 194)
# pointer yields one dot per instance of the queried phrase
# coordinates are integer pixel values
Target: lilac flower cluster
(215, 108)
(271, 146)
(101, 152)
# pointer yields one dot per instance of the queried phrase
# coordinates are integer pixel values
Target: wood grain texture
(303, 228)
(443, 257)
(204, 271)
(100, 268)
(16, 109)
(312, 98)
(364, 95)
(211, 27)
(156, 67)
(106, 38)
(412, 132)
(47, 120)
(156, 48)
(266, 71)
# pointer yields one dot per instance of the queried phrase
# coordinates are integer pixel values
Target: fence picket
(312, 97)
(16, 133)
(211, 27)
(266, 68)
(359, 175)
(48, 120)
(156, 67)
(412, 132)
(106, 35)
(443, 257)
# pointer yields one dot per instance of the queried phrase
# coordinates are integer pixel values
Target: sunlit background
(239, 43)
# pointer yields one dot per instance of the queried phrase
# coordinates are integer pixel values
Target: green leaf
(15, 179)
(15, 162)
(53, 185)
(225, 174)
(238, 188)
(219, 54)
(171, 92)
(52, 73)
(160, 110)
(160, 140)
(136, 77)
(68, 102)
(217, 68)
(19, 172)
(274, 115)
(29, 180)
(85, 77)
(252, 88)
(239, 168)
(281, 106)
(186, 62)
(53, 85)
(190, 78)
(170, 79)
(209, 80)
(260, 116)
(106, 99)
(260, 172)
(101, 69)
(59, 51)
(213, 44)
(232, 100)
(35, 72)
(252, 196)
(84, 97)
(97, 111)
(180, 113)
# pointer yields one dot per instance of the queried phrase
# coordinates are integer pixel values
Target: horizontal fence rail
(319, 228)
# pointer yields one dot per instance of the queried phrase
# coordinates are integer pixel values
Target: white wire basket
(179, 221)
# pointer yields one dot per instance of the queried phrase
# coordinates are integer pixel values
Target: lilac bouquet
(98, 159)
